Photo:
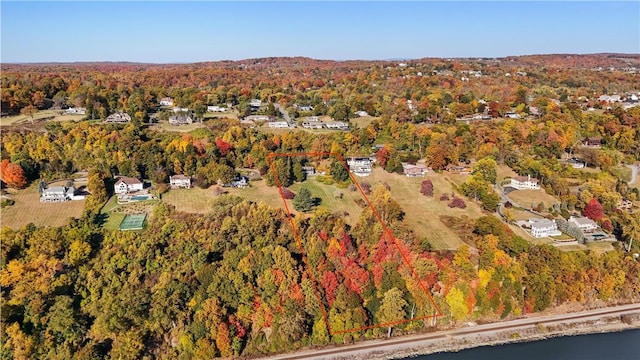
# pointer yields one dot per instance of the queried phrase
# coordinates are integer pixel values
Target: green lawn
(622, 172)
(115, 212)
(531, 198)
(363, 122)
(346, 205)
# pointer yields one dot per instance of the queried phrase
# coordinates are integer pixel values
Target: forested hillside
(232, 280)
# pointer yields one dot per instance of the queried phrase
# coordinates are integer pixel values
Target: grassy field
(329, 201)
(219, 115)
(504, 172)
(165, 126)
(28, 209)
(622, 172)
(50, 115)
(531, 198)
(422, 213)
(363, 122)
(115, 212)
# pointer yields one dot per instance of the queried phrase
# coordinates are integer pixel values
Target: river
(609, 346)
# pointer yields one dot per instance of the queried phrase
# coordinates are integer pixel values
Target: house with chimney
(525, 183)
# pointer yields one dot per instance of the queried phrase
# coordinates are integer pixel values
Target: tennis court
(133, 222)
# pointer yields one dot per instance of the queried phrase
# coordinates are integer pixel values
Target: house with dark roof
(125, 185)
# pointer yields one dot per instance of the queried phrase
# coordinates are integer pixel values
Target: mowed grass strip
(422, 212)
(57, 114)
(28, 209)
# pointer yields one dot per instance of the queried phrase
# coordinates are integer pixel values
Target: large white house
(76, 111)
(525, 182)
(180, 181)
(167, 101)
(585, 224)
(57, 194)
(216, 108)
(180, 120)
(544, 227)
(118, 117)
(126, 185)
(360, 166)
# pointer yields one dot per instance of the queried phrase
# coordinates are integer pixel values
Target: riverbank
(534, 333)
(531, 328)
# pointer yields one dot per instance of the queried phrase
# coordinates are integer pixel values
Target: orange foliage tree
(12, 174)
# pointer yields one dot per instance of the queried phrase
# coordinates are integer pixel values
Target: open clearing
(29, 209)
(363, 122)
(48, 115)
(327, 193)
(531, 198)
(421, 212)
(116, 212)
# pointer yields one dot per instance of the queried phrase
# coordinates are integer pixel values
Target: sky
(185, 32)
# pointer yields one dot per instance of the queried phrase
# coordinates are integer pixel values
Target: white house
(180, 120)
(279, 124)
(312, 124)
(362, 113)
(57, 194)
(544, 227)
(303, 107)
(216, 108)
(585, 224)
(76, 111)
(338, 125)
(118, 117)
(179, 109)
(576, 163)
(167, 101)
(255, 103)
(126, 185)
(257, 118)
(180, 181)
(360, 166)
(525, 182)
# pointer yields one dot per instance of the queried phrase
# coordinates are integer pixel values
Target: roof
(179, 177)
(542, 223)
(128, 181)
(56, 190)
(525, 178)
(582, 221)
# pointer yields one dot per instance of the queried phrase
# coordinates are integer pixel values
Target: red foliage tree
(366, 187)
(607, 225)
(12, 174)
(330, 285)
(382, 156)
(223, 146)
(593, 210)
(457, 202)
(287, 194)
(426, 188)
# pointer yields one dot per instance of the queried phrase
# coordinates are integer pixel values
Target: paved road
(285, 113)
(369, 348)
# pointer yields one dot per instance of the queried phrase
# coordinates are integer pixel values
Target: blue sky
(163, 32)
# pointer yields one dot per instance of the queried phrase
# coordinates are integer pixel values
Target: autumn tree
(487, 169)
(338, 171)
(593, 210)
(12, 174)
(426, 188)
(392, 308)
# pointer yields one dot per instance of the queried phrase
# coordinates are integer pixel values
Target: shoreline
(533, 334)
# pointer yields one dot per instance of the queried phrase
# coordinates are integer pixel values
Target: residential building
(337, 125)
(167, 101)
(585, 224)
(255, 104)
(362, 113)
(180, 120)
(525, 183)
(593, 141)
(303, 107)
(415, 170)
(180, 181)
(57, 194)
(543, 228)
(360, 166)
(76, 111)
(179, 109)
(118, 118)
(216, 108)
(239, 182)
(126, 185)
(309, 170)
(576, 163)
(458, 169)
(312, 124)
(258, 118)
(279, 124)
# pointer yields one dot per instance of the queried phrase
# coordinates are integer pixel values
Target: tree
(12, 174)
(594, 210)
(303, 200)
(426, 188)
(298, 174)
(487, 169)
(29, 111)
(223, 342)
(392, 308)
(338, 171)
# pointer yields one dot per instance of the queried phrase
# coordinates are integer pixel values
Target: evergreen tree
(303, 200)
